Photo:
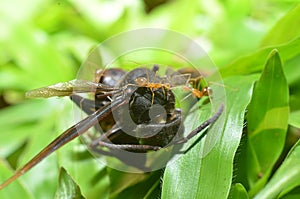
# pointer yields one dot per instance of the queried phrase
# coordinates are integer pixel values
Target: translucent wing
(180, 79)
(68, 88)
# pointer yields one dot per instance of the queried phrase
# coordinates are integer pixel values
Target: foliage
(254, 43)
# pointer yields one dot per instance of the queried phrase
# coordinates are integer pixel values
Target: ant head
(141, 81)
(207, 91)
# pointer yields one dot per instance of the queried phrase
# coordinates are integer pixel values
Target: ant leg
(202, 126)
(67, 136)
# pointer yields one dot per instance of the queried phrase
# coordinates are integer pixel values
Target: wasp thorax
(151, 106)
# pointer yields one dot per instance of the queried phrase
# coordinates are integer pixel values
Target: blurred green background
(43, 42)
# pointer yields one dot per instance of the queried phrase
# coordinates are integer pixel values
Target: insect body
(132, 112)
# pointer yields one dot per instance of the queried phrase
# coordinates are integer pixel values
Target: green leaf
(89, 174)
(154, 191)
(267, 122)
(36, 128)
(255, 62)
(210, 176)
(294, 119)
(119, 180)
(279, 34)
(286, 177)
(133, 185)
(14, 190)
(17, 115)
(67, 187)
(238, 191)
(291, 196)
(43, 64)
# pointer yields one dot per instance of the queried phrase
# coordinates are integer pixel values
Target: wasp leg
(103, 141)
(116, 152)
(129, 147)
(138, 163)
(201, 127)
(67, 136)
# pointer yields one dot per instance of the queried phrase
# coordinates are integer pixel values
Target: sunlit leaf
(37, 128)
(44, 42)
(294, 119)
(133, 185)
(88, 173)
(210, 176)
(255, 62)
(267, 122)
(278, 34)
(285, 178)
(67, 187)
(238, 192)
(16, 190)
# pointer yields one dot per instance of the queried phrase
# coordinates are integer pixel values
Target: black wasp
(135, 113)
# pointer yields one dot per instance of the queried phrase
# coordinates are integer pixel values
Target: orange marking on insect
(143, 81)
(206, 91)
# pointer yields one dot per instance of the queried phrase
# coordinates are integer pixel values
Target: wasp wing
(68, 88)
